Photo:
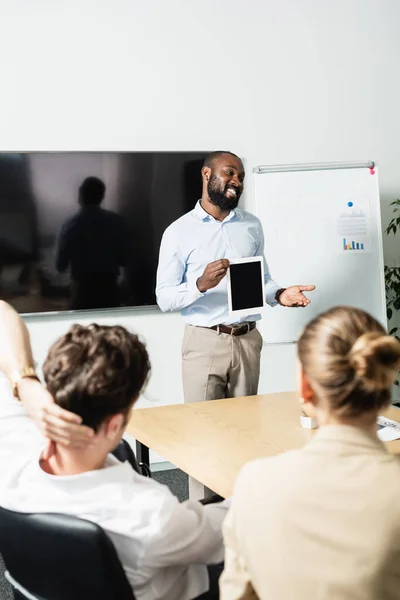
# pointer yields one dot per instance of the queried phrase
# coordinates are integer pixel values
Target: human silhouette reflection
(93, 244)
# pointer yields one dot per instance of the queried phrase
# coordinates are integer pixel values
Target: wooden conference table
(212, 440)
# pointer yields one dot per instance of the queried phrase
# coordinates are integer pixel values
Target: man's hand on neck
(55, 423)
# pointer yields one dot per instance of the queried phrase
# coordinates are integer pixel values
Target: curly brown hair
(96, 371)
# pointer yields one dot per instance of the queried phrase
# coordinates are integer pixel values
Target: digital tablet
(246, 286)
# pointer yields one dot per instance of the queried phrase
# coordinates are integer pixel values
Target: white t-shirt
(163, 545)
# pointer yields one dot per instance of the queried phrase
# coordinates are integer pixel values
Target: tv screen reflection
(82, 231)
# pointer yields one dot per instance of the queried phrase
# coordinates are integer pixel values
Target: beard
(217, 194)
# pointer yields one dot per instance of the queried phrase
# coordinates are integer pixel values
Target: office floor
(176, 480)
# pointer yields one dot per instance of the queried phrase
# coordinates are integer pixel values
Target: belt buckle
(240, 326)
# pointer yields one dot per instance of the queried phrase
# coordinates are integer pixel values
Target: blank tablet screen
(246, 285)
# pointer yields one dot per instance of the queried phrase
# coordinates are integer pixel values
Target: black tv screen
(82, 230)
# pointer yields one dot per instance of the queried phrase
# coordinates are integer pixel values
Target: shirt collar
(113, 470)
(202, 215)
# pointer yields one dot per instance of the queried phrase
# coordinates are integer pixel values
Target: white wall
(276, 82)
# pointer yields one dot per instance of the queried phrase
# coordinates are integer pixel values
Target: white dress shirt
(163, 545)
(188, 246)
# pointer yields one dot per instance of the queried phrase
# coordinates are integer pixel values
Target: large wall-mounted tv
(62, 250)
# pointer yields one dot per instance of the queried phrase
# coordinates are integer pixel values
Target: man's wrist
(19, 375)
(199, 286)
(278, 295)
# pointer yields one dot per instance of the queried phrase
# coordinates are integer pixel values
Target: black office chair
(124, 452)
(60, 557)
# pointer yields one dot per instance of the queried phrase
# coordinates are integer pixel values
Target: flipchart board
(322, 226)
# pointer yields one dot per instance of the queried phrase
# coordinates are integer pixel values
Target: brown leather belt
(239, 329)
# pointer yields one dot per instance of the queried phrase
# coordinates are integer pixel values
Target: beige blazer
(321, 523)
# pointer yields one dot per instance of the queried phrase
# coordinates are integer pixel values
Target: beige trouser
(218, 365)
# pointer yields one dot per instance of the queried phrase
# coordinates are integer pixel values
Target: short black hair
(92, 191)
(209, 160)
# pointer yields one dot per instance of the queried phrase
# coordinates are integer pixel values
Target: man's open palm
(293, 295)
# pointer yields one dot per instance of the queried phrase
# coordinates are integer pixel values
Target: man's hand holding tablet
(213, 273)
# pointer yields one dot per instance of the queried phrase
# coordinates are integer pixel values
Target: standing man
(220, 358)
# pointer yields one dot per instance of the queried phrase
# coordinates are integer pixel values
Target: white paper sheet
(353, 227)
(388, 430)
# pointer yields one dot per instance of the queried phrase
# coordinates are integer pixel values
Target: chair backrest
(61, 557)
(124, 452)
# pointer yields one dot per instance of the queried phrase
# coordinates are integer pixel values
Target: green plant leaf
(392, 273)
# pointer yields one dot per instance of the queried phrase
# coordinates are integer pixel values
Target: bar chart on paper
(352, 245)
(353, 227)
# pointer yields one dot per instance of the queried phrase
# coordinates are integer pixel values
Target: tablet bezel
(252, 309)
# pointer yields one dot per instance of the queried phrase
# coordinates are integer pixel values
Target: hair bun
(375, 359)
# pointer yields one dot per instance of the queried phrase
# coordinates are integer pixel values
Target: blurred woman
(323, 522)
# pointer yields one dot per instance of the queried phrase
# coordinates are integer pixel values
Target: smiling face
(226, 180)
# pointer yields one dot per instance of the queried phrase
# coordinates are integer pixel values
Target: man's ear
(206, 173)
(113, 426)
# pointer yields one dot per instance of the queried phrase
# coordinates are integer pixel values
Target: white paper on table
(388, 430)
